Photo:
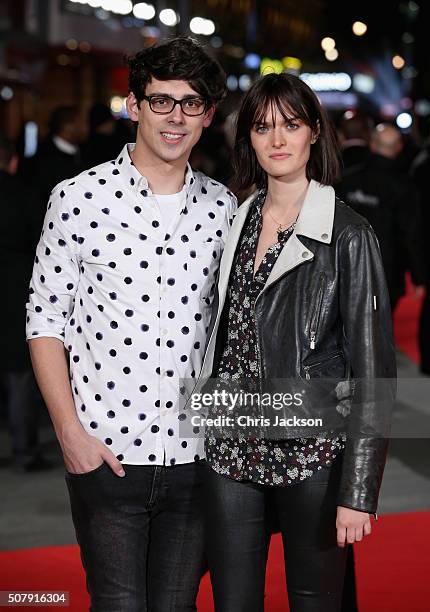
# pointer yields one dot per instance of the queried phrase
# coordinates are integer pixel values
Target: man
(57, 158)
(390, 203)
(354, 136)
(124, 277)
(17, 385)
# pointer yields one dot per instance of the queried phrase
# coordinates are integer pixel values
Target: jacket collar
(315, 221)
(316, 216)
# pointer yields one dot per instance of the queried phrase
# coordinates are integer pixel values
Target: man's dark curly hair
(182, 59)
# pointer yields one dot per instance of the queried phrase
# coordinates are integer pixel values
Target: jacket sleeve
(368, 337)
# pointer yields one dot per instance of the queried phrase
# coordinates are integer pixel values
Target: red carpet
(406, 318)
(393, 569)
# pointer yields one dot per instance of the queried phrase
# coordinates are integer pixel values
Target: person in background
(390, 202)
(354, 136)
(419, 173)
(57, 158)
(18, 391)
(103, 143)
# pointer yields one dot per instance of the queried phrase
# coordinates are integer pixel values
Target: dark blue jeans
(141, 536)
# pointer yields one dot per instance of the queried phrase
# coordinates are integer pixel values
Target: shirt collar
(133, 177)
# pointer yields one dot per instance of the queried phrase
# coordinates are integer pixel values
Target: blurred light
(232, 83)
(244, 82)
(95, 3)
(363, 83)
(30, 138)
(349, 114)
(85, 46)
(6, 93)
(62, 59)
(422, 107)
(404, 120)
(409, 72)
(72, 44)
(252, 61)
(328, 43)
(413, 6)
(331, 55)
(388, 110)
(398, 62)
(117, 104)
(198, 25)
(123, 7)
(102, 14)
(216, 42)
(408, 38)
(359, 28)
(406, 103)
(269, 66)
(151, 32)
(292, 63)
(142, 10)
(327, 81)
(168, 17)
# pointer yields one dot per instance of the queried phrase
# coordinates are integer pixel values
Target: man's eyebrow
(185, 97)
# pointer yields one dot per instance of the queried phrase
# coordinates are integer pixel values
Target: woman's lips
(280, 155)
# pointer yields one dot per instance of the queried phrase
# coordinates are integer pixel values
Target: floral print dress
(268, 462)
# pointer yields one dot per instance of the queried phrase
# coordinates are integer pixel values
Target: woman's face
(282, 146)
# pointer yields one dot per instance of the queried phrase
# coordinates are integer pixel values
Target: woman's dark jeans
(238, 518)
(141, 536)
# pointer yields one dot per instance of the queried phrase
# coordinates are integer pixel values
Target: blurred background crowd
(63, 82)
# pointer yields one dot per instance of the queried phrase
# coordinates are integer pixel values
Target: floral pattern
(269, 462)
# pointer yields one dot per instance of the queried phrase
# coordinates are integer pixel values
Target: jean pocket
(87, 474)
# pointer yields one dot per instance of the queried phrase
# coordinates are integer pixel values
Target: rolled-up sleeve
(55, 275)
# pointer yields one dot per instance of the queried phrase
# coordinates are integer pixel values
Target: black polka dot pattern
(129, 291)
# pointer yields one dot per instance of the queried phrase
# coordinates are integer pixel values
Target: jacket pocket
(327, 366)
(316, 312)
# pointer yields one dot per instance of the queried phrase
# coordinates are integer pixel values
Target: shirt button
(305, 254)
(164, 332)
(324, 236)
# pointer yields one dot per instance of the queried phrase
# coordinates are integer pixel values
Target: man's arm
(81, 451)
(53, 290)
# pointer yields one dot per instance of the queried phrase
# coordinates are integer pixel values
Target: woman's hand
(351, 525)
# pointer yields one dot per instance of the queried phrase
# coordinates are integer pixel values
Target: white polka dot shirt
(130, 296)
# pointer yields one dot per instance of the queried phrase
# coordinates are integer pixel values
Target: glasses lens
(193, 106)
(161, 104)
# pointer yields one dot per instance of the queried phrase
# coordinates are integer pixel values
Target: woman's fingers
(341, 536)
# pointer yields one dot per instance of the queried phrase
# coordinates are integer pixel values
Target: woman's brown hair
(293, 98)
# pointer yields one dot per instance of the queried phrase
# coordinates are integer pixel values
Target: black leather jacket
(327, 314)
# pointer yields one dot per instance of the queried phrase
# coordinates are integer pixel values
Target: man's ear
(132, 107)
(209, 116)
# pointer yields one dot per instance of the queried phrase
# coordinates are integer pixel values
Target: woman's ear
(316, 134)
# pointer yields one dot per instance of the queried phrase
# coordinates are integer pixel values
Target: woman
(301, 295)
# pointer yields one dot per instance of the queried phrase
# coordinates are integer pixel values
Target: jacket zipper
(260, 369)
(308, 367)
(317, 311)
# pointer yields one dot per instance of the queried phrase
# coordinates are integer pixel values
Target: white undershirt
(171, 205)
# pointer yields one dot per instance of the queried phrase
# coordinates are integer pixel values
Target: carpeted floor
(393, 566)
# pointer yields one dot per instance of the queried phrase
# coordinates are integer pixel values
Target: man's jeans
(141, 536)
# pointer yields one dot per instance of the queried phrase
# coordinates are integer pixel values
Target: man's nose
(176, 115)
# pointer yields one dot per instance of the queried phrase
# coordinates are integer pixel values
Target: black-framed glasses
(163, 105)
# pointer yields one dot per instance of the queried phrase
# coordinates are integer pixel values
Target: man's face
(169, 137)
